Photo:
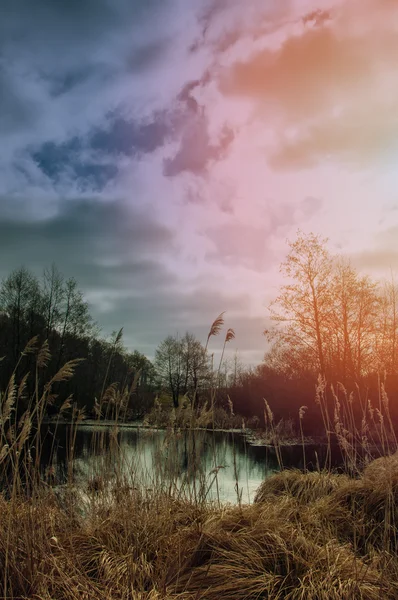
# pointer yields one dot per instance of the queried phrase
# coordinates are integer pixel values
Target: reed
(125, 532)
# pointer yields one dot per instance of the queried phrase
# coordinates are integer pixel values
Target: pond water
(185, 461)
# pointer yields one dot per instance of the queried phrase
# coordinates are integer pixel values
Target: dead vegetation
(314, 536)
(307, 536)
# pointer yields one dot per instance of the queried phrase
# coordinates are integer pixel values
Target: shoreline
(246, 433)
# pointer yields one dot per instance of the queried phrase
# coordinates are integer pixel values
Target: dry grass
(308, 536)
(309, 539)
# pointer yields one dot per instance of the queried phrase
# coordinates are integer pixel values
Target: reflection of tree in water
(182, 459)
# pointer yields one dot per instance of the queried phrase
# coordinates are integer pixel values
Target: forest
(328, 321)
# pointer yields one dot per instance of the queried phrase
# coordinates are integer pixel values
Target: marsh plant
(125, 534)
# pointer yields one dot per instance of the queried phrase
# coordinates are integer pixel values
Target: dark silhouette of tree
(182, 366)
(54, 309)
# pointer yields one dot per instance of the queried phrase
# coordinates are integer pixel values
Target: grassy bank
(307, 536)
(313, 536)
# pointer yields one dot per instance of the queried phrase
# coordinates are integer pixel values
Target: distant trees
(54, 309)
(182, 366)
(302, 308)
(329, 319)
(21, 303)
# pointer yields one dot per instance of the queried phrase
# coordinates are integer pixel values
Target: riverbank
(254, 437)
(318, 536)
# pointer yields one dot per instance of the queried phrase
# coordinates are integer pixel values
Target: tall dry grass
(307, 536)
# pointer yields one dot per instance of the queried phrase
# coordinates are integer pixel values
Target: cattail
(371, 410)
(97, 409)
(381, 418)
(66, 372)
(67, 404)
(80, 415)
(230, 335)
(134, 384)
(110, 394)
(51, 398)
(11, 396)
(320, 389)
(31, 346)
(44, 356)
(173, 417)
(269, 411)
(302, 412)
(216, 326)
(4, 452)
(22, 387)
(384, 397)
(25, 432)
(119, 336)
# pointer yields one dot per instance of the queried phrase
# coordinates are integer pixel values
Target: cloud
(195, 151)
(84, 235)
(144, 142)
(89, 84)
(382, 258)
(327, 88)
(251, 245)
(176, 311)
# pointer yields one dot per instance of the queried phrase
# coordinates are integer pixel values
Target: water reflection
(193, 462)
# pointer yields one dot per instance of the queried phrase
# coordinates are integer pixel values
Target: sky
(162, 152)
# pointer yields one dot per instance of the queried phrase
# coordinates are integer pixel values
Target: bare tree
(302, 309)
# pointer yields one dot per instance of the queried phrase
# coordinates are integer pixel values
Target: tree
(181, 364)
(387, 327)
(352, 323)
(21, 301)
(74, 315)
(53, 298)
(328, 317)
(169, 366)
(303, 307)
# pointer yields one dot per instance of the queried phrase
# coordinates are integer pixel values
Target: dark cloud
(196, 152)
(71, 72)
(174, 311)
(58, 161)
(93, 160)
(60, 62)
(88, 91)
(120, 135)
(84, 234)
(116, 254)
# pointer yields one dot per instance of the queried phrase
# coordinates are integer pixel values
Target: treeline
(329, 324)
(53, 308)
(329, 321)
(333, 332)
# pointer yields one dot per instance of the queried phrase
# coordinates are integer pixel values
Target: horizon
(166, 157)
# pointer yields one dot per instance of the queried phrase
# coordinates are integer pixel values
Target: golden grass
(312, 536)
(308, 536)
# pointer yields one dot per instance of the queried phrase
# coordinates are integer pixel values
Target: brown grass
(308, 536)
(314, 536)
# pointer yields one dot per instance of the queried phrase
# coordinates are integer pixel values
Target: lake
(183, 461)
